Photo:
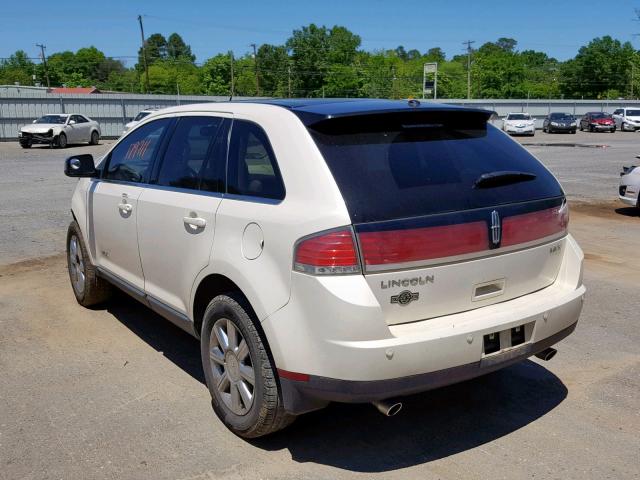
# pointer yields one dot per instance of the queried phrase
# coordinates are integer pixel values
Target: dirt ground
(119, 393)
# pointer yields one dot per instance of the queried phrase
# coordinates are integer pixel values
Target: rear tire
(25, 144)
(88, 288)
(240, 376)
(95, 138)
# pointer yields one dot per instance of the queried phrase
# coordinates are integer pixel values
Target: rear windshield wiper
(499, 179)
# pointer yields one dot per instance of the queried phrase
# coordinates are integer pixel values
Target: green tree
(599, 69)
(178, 50)
(17, 68)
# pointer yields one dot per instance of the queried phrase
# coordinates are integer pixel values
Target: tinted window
(633, 113)
(396, 166)
(131, 159)
(79, 119)
(253, 170)
(187, 152)
(558, 116)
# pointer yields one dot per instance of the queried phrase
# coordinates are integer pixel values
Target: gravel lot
(119, 392)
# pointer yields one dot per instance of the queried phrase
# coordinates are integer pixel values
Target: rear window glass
(396, 166)
(633, 113)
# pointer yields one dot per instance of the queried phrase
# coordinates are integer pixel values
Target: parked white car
(627, 119)
(329, 250)
(138, 118)
(519, 124)
(630, 186)
(60, 130)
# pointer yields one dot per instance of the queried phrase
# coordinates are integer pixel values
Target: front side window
(190, 146)
(131, 159)
(253, 170)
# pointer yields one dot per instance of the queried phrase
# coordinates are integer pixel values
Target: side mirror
(80, 166)
(34, 121)
(72, 122)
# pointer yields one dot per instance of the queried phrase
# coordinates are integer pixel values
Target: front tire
(95, 138)
(25, 144)
(88, 288)
(62, 141)
(240, 376)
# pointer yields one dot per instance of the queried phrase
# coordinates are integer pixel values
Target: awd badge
(405, 298)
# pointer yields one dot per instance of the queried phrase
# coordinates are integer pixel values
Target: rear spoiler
(315, 119)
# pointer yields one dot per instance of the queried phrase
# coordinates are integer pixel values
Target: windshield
(52, 119)
(561, 116)
(392, 166)
(140, 116)
(518, 116)
(633, 113)
(600, 115)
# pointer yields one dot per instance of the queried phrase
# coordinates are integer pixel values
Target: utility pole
(44, 62)
(633, 71)
(232, 74)
(468, 43)
(144, 54)
(289, 77)
(255, 61)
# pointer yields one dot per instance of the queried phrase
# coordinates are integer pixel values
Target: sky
(557, 27)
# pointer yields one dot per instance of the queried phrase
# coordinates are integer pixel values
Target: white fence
(114, 110)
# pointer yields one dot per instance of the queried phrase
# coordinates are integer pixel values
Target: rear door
(177, 213)
(113, 202)
(449, 213)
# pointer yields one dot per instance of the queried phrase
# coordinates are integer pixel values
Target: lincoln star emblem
(405, 297)
(496, 229)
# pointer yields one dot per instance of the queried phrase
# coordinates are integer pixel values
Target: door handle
(125, 207)
(195, 221)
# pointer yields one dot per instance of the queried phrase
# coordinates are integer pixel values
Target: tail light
(402, 246)
(327, 253)
(534, 226)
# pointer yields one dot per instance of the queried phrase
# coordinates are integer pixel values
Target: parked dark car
(559, 122)
(598, 122)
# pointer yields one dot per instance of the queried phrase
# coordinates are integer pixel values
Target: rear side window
(253, 170)
(189, 147)
(131, 159)
(395, 166)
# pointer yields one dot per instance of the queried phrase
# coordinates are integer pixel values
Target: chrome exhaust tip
(388, 408)
(547, 354)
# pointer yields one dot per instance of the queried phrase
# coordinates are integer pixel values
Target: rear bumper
(332, 331)
(301, 397)
(632, 202)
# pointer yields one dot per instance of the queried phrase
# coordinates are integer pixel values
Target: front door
(113, 202)
(177, 213)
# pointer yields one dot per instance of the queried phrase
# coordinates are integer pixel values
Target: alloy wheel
(232, 367)
(76, 265)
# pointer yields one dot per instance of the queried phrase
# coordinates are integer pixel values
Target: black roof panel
(313, 110)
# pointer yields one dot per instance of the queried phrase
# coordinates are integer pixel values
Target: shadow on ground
(431, 426)
(628, 211)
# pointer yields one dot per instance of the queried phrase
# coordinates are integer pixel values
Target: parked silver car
(630, 186)
(60, 130)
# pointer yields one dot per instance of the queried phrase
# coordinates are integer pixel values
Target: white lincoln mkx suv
(330, 250)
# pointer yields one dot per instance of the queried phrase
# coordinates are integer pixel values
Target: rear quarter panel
(312, 203)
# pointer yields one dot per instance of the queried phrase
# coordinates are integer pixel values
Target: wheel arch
(210, 287)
